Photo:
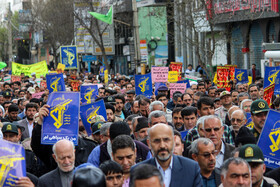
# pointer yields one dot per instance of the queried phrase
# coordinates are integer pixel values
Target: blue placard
(12, 163)
(143, 85)
(157, 85)
(89, 58)
(88, 93)
(184, 134)
(241, 76)
(55, 82)
(272, 75)
(250, 123)
(89, 110)
(101, 70)
(185, 81)
(269, 139)
(69, 57)
(63, 119)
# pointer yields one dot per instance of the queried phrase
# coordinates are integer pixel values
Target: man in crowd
(141, 129)
(64, 156)
(124, 153)
(144, 104)
(187, 99)
(239, 87)
(113, 172)
(178, 144)
(238, 119)
(101, 92)
(156, 117)
(235, 172)
(213, 129)
(234, 94)
(189, 115)
(30, 110)
(110, 111)
(254, 92)
(245, 105)
(254, 156)
(130, 98)
(203, 151)
(242, 96)
(226, 100)
(146, 175)
(177, 119)
(259, 109)
(173, 168)
(12, 114)
(120, 101)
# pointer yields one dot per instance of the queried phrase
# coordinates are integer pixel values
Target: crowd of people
(197, 138)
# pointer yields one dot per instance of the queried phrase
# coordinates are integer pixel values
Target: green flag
(2, 65)
(107, 18)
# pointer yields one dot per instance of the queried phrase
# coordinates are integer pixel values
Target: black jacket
(44, 152)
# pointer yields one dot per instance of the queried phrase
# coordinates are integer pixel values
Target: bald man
(64, 156)
(173, 168)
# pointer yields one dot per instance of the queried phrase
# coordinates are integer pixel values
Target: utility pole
(10, 44)
(137, 57)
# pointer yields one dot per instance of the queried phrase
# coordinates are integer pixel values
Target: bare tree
(56, 20)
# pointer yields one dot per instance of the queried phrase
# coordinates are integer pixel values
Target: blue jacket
(185, 172)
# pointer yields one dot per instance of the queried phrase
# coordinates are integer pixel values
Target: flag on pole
(107, 18)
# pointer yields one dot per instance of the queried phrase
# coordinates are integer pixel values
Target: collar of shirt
(167, 173)
(220, 156)
(126, 183)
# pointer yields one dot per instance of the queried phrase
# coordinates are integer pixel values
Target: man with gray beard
(173, 168)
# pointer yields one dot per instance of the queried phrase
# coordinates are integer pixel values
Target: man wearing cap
(163, 89)
(259, 109)
(141, 131)
(7, 96)
(254, 156)
(95, 128)
(226, 101)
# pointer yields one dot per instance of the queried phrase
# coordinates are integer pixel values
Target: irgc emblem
(57, 112)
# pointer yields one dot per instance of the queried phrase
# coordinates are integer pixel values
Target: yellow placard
(39, 68)
(250, 80)
(172, 76)
(61, 66)
(106, 76)
(215, 78)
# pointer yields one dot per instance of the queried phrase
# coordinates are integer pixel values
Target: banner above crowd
(143, 85)
(39, 68)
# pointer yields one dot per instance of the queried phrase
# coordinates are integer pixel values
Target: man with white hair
(246, 105)
(64, 156)
(158, 105)
(213, 129)
(238, 119)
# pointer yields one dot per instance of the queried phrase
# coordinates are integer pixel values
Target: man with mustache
(173, 168)
(213, 129)
(203, 151)
(259, 109)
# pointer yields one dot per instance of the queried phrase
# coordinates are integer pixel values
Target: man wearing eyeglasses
(259, 109)
(203, 151)
(213, 129)
(238, 119)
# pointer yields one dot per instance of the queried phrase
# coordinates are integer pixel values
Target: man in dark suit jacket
(176, 171)
(64, 156)
(30, 110)
(203, 151)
